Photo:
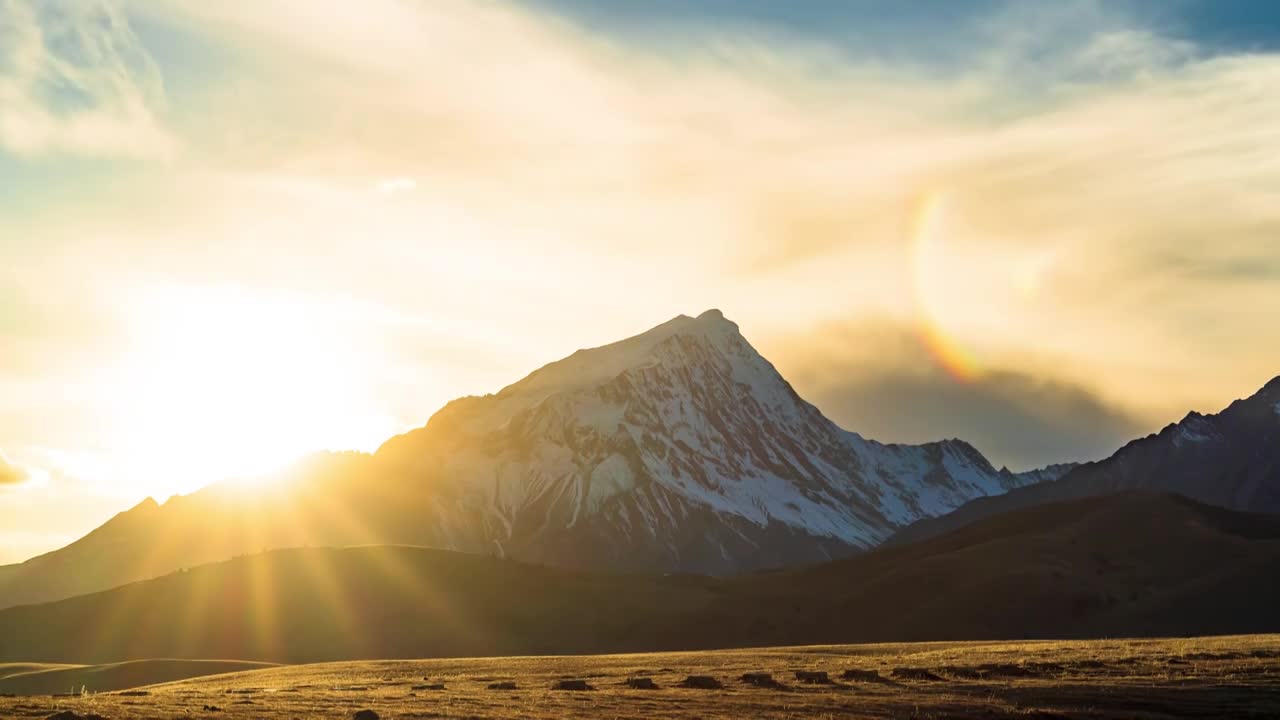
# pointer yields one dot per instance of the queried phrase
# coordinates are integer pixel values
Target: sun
(231, 384)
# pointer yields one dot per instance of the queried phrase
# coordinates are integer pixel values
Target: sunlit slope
(218, 523)
(8, 670)
(364, 602)
(36, 679)
(1132, 564)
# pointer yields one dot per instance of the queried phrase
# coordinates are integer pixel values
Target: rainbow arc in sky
(928, 254)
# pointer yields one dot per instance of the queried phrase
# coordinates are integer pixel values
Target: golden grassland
(56, 678)
(1236, 677)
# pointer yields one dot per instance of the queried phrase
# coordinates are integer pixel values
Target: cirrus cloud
(74, 78)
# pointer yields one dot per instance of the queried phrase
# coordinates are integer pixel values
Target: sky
(235, 233)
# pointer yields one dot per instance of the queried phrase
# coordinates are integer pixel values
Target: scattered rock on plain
(575, 685)
(506, 685)
(859, 675)
(761, 679)
(701, 682)
(905, 673)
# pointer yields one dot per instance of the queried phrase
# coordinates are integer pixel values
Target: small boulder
(813, 677)
(701, 682)
(641, 683)
(575, 685)
(364, 715)
(905, 673)
(859, 675)
(760, 679)
(211, 708)
(505, 685)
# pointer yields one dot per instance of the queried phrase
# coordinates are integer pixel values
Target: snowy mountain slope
(679, 449)
(617, 450)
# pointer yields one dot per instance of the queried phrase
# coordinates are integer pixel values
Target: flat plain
(1237, 677)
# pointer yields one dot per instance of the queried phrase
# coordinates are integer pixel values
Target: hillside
(35, 679)
(677, 450)
(1131, 564)
(1230, 459)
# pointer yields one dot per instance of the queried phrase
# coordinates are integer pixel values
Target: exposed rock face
(678, 449)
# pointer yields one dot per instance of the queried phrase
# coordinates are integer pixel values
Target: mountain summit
(679, 449)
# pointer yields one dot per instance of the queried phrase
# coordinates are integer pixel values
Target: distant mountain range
(677, 450)
(1231, 459)
(1132, 564)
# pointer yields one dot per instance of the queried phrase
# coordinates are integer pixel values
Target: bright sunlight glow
(226, 384)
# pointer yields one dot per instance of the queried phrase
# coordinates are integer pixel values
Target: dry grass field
(1235, 677)
(49, 678)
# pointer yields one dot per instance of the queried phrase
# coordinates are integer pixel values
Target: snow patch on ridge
(1194, 429)
(642, 433)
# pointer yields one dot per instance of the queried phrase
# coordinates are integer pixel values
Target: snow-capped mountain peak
(682, 430)
(679, 449)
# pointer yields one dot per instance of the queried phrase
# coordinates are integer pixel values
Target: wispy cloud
(1106, 248)
(396, 185)
(876, 376)
(1076, 162)
(74, 78)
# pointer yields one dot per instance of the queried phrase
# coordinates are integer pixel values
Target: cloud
(396, 185)
(11, 473)
(877, 379)
(1109, 209)
(75, 79)
(1084, 153)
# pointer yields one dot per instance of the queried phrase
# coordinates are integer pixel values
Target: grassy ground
(49, 679)
(1236, 677)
